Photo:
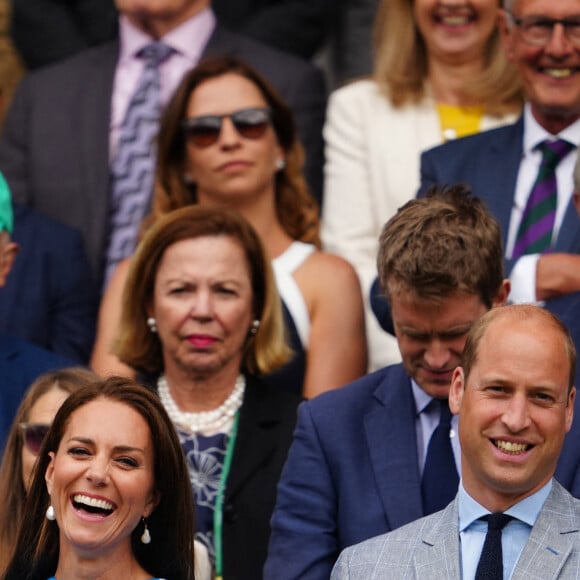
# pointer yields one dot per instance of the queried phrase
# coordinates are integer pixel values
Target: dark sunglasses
(205, 130)
(34, 435)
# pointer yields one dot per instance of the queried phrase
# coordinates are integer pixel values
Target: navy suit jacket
(20, 364)
(50, 297)
(352, 473)
(489, 163)
(54, 150)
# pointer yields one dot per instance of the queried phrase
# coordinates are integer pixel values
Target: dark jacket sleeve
(45, 31)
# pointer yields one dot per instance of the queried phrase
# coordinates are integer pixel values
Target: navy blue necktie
(490, 565)
(440, 480)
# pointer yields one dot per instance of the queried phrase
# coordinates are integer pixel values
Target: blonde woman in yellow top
(439, 73)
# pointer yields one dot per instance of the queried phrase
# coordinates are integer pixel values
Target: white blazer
(372, 168)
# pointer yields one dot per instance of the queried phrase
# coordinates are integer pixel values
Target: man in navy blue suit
(543, 39)
(20, 361)
(355, 467)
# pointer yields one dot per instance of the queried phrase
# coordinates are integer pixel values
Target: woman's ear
(152, 503)
(49, 473)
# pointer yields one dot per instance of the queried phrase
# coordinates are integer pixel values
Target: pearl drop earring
(50, 515)
(152, 324)
(254, 327)
(145, 536)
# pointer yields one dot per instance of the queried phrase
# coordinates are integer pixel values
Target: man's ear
(506, 31)
(8, 253)
(456, 390)
(502, 294)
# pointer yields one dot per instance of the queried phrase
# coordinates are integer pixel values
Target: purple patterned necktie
(536, 228)
(133, 167)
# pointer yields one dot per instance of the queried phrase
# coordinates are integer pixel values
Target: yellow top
(459, 121)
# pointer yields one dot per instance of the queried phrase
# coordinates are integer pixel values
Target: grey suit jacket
(429, 547)
(54, 149)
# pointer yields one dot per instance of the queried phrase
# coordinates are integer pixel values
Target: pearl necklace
(204, 420)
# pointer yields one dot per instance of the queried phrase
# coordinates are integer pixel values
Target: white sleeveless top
(284, 266)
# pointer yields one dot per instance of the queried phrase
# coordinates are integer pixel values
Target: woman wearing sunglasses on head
(227, 140)
(31, 423)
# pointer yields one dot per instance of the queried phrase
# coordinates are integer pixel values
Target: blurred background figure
(50, 298)
(351, 42)
(524, 171)
(228, 140)
(45, 31)
(21, 362)
(101, 445)
(439, 73)
(31, 424)
(11, 67)
(293, 26)
(201, 324)
(78, 140)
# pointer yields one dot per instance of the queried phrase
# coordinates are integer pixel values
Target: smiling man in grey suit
(514, 395)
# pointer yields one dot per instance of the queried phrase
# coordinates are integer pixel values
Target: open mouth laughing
(93, 505)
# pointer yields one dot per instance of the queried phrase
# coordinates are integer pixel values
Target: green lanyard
(218, 514)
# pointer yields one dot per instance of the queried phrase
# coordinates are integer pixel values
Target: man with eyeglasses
(524, 171)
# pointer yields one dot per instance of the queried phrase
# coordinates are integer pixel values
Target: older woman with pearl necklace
(201, 323)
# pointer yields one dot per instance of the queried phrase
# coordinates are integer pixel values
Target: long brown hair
(170, 553)
(296, 209)
(12, 486)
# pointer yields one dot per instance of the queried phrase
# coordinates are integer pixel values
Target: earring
(280, 164)
(50, 515)
(152, 324)
(254, 327)
(145, 536)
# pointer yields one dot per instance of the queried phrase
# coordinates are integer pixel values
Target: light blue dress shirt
(472, 530)
(426, 422)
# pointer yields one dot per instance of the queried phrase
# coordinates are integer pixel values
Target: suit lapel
(256, 439)
(437, 555)
(552, 538)
(220, 43)
(498, 172)
(392, 444)
(569, 235)
(94, 125)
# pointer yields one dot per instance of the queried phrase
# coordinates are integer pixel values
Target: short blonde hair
(138, 347)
